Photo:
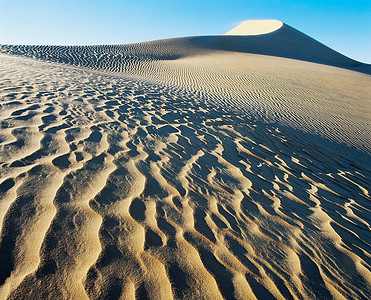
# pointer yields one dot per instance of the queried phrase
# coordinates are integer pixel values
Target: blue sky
(342, 25)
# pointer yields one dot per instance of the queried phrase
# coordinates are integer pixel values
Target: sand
(223, 167)
(256, 27)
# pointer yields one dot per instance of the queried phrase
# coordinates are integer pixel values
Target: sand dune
(225, 167)
(281, 84)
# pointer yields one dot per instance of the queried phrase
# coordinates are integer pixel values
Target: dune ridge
(192, 177)
(280, 84)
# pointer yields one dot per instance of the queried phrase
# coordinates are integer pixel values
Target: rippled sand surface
(184, 179)
(283, 77)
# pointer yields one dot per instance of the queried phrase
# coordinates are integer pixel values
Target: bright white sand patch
(255, 27)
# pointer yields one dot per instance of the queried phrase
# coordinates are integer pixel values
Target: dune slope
(272, 76)
(284, 42)
(165, 170)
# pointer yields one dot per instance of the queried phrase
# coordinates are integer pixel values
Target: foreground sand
(219, 174)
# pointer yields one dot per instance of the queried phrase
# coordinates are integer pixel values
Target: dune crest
(255, 27)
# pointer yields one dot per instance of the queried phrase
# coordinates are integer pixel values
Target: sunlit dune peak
(255, 27)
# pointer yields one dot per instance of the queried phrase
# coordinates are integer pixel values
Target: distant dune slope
(284, 42)
(268, 75)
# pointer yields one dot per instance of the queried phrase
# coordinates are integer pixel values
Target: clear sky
(342, 25)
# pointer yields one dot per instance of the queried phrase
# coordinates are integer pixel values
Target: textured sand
(278, 85)
(191, 168)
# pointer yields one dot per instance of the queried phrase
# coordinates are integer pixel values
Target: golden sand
(226, 167)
